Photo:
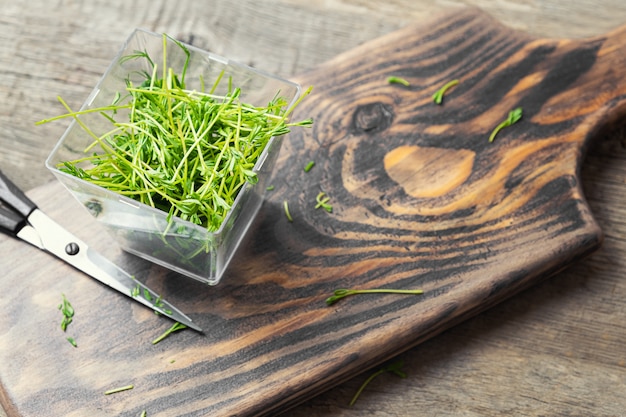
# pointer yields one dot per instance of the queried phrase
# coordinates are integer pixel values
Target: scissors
(20, 218)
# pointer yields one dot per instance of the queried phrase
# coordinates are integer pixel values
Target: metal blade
(53, 238)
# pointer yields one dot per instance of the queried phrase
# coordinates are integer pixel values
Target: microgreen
(342, 293)
(175, 327)
(135, 291)
(393, 368)
(514, 116)
(185, 152)
(72, 341)
(159, 303)
(438, 96)
(308, 166)
(322, 201)
(287, 213)
(120, 389)
(68, 313)
(143, 414)
(398, 80)
(270, 188)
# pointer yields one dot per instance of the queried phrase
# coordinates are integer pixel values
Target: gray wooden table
(556, 349)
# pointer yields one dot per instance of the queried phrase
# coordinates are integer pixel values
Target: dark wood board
(421, 199)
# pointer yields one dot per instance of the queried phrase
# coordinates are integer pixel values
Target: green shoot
(322, 201)
(438, 96)
(342, 293)
(143, 414)
(159, 303)
(72, 341)
(398, 80)
(308, 166)
(287, 213)
(68, 313)
(120, 389)
(175, 327)
(393, 368)
(86, 111)
(135, 291)
(270, 188)
(514, 116)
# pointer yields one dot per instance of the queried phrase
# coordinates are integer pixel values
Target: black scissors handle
(11, 221)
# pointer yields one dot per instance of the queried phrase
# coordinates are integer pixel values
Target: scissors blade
(48, 235)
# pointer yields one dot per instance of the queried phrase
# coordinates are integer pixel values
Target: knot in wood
(372, 117)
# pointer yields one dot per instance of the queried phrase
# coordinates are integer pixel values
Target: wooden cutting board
(421, 199)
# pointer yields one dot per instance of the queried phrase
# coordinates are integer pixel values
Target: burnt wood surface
(421, 199)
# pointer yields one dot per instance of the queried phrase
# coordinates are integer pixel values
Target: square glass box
(143, 230)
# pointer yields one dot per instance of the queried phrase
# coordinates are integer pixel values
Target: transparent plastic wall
(143, 230)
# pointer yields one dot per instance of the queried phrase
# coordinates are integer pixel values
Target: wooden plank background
(556, 349)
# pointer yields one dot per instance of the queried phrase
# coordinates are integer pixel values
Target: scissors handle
(10, 222)
(13, 198)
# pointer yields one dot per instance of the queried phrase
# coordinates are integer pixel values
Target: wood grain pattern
(270, 341)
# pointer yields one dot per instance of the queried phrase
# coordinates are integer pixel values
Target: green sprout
(393, 368)
(322, 202)
(514, 116)
(438, 96)
(120, 389)
(398, 80)
(175, 327)
(287, 213)
(342, 293)
(68, 313)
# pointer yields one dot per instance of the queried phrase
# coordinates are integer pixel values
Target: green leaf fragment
(68, 312)
(398, 80)
(65, 322)
(342, 293)
(438, 96)
(322, 202)
(513, 117)
(287, 213)
(159, 302)
(120, 389)
(393, 368)
(175, 327)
